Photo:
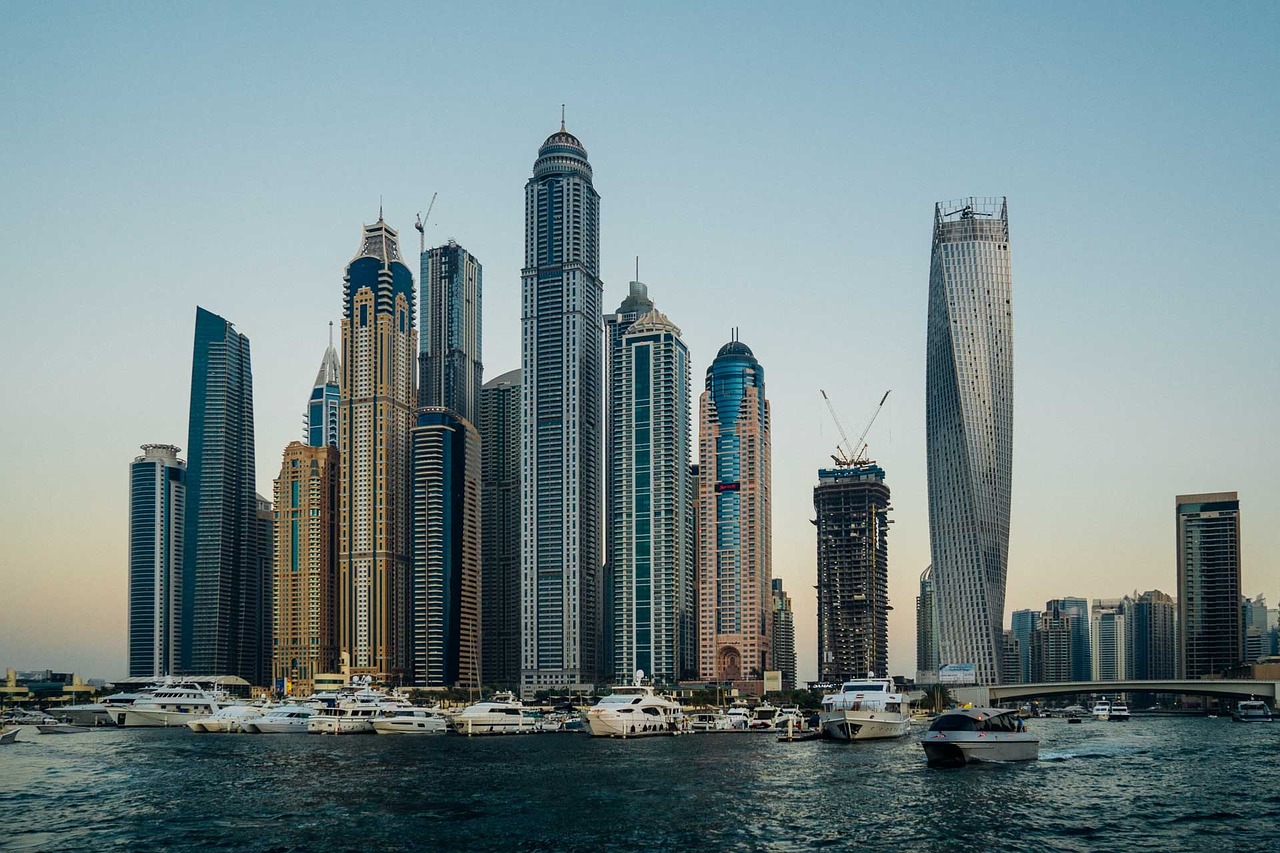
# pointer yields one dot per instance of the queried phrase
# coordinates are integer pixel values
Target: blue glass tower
(450, 370)
(322, 408)
(157, 507)
(223, 609)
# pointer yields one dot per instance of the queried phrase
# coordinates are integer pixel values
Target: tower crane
(421, 224)
(851, 454)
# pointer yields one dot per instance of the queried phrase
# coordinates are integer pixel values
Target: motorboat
(866, 709)
(1252, 711)
(763, 717)
(500, 714)
(356, 714)
(61, 728)
(229, 719)
(711, 721)
(1102, 711)
(91, 714)
(789, 717)
(970, 735)
(635, 710)
(1071, 712)
(411, 721)
(173, 705)
(282, 719)
(26, 717)
(739, 717)
(8, 736)
(1119, 712)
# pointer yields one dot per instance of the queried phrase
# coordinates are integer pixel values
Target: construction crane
(421, 225)
(851, 455)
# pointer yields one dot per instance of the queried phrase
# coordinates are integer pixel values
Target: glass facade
(157, 504)
(1210, 625)
(500, 531)
(449, 341)
(223, 595)
(969, 428)
(561, 358)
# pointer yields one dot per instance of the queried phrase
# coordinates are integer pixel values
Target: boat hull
(134, 717)
(259, 727)
(606, 724)
(63, 729)
(487, 726)
(864, 725)
(8, 736)
(410, 726)
(340, 726)
(956, 749)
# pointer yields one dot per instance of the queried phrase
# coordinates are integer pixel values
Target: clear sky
(774, 166)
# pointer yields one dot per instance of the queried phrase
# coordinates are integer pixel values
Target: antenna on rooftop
(562, 116)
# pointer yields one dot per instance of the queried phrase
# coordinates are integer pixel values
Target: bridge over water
(1269, 691)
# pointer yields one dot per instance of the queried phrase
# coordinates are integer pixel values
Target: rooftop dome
(735, 348)
(564, 137)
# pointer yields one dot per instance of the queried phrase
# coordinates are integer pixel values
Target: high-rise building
(969, 427)
(379, 348)
(1253, 619)
(735, 520)
(157, 521)
(222, 591)
(561, 358)
(1023, 625)
(500, 530)
(784, 635)
(305, 590)
(326, 394)
(1109, 638)
(1051, 646)
(445, 588)
(615, 325)
(852, 509)
(450, 369)
(1077, 612)
(1010, 658)
(265, 526)
(926, 631)
(1152, 641)
(1210, 635)
(650, 530)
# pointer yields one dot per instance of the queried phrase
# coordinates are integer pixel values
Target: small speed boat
(971, 735)
(8, 736)
(61, 729)
(1252, 711)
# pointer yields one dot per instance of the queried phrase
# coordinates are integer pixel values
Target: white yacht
(411, 721)
(1119, 712)
(282, 719)
(739, 717)
(171, 706)
(356, 714)
(865, 710)
(228, 719)
(711, 721)
(1102, 711)
(971, 735)
(789, 714)
(500, 714)
(90, 714)
(1252, 711)
(763, 717)
(634, 711)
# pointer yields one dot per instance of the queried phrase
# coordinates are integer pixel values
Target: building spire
(562, 116)
(379, 207)
(330, 333)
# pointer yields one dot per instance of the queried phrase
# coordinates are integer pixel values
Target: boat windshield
(954, 723)
(862, 688)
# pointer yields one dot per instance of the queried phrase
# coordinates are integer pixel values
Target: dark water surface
(1149, 784)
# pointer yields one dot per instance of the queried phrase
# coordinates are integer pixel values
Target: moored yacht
(739, 717)
(282, 719)
(763, 717)
(710, 721)
(865, 709)
(500, 714)
(634, 711)
(355, 715)
(228, 719)
(172, 706)
(411, 721)
(971, 735)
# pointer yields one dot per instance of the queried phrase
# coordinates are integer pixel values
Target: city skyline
(1105, 363)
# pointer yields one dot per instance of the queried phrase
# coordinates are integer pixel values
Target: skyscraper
(306, 564)
(1051, 647)
(852, 509)
(222, 589)
(445, 590)
(636, 303)
(1109, 638)
(264, 526)
(500, 529)
(1152, 642)
(560, 481)
(1253, 619)
(650, 531)
(1208, 547)
(969, 427)
(735, 519)
(1076, 610)
(326, 394)
(450, 369)
(379, 345)
(784, 635)
(1023, 625)
(926, 630)
(157, 520)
